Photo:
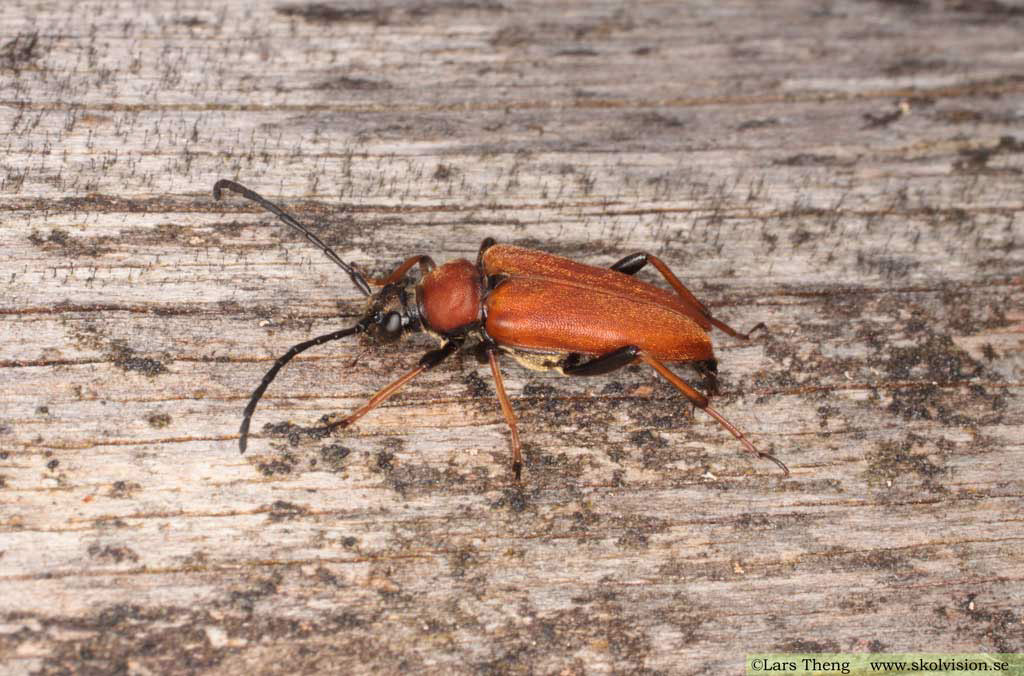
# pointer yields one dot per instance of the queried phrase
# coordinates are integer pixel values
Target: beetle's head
(391, 312)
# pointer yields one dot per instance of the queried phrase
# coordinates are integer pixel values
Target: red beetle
(547, 312)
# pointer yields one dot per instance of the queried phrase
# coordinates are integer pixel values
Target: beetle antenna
(287, 218)
(243, 431)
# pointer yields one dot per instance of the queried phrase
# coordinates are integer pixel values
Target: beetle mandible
(545, 311)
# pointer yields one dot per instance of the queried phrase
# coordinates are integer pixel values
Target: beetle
(545, 311)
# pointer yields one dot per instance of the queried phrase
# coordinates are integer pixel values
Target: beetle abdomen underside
(539, 313)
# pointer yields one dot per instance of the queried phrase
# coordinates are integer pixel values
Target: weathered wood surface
(849, 173)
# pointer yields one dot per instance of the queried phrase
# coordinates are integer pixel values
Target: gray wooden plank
(847, 173)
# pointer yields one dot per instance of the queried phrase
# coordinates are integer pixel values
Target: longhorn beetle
(545, 311)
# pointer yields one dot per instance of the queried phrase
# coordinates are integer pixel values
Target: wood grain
(848, 173)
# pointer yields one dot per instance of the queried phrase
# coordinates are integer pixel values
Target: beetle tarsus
(760, 326)
(700, 401)
(342, 424)
(769, 456)
(517, 470)
(747, 445)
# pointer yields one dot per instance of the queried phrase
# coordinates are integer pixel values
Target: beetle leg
(484, 246)
(709, 369)
(633, 263)
(426, 264)
(606, 363)
(427, 362)
(624, 356)
(506, 409)
(700, 401)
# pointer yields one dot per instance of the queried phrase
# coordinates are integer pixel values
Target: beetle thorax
(449, 297)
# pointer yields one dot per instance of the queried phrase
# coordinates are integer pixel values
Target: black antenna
(243, 431)
(357, 278)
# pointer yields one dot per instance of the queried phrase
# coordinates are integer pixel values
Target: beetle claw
(769, 456)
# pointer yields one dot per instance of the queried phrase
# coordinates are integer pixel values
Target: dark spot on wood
(62, 243)
(20, 51)
(294, 433)
(998, 627)
(652, 118)
(413, 479)
(385, 461)
(334, 455)
(158, 420)
(123, 489)
(352, 84)
(609, 622)
(632, 539)
(463, 559)
(577, 51)
(583, 519)
(616, 453)
(511, 36)
(936, 358)
(959, 116)
(478, 388)
(283, 464)
(127, 359)
(189, 21)
(758, 123)
(255, 589)
(799, 236)
(886, 266)
(281, 510)
(653, 449)
(443, 172)
(514, 497)
(117, 636)
(975, 160)
(329, 579)
(801, 645)
(892, 460)
(316, 12)
(913, 66)
(114, 553)
(427, 9)
(807, 159)
(992, 10)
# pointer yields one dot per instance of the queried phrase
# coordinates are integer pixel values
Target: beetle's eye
(391, 324)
